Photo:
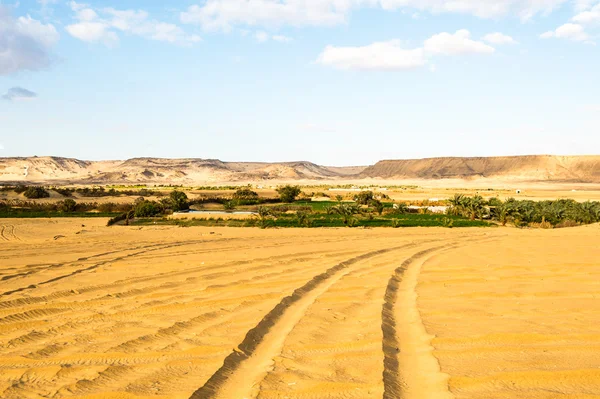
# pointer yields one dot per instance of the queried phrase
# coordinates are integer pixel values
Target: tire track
(415, 384)
(97, 265)
(391, 345)
(2, 234)
(251, 359)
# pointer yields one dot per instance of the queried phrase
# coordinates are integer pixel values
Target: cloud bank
(25, 43)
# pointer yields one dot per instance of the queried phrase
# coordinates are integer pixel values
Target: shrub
(303, 219)
(245, 194)
(352, 222)
(364, 198)
(36, 192)
(20, 189)
(447, 222)
(126, 216)
(65, 192)
(179, 201)
(396, 223)
(67, 205)
(147, 209)
(289, 193)
(378, 205)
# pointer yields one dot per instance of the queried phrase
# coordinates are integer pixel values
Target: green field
(323, 220)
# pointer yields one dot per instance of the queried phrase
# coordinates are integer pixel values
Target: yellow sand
(165, 312)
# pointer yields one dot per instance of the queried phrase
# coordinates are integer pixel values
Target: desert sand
(88, 311)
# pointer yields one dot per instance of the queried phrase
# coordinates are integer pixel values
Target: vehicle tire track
(97, 265)
(250, 360)
(396, 384)
(2, 234)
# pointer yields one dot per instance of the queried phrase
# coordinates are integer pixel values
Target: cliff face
(55, 170)
(532, 168)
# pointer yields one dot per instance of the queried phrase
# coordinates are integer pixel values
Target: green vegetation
(36, 193)
(288, 193)
(320, 220)
(526, 213)
(179, 201)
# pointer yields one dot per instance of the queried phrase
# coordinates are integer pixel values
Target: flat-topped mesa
(530, 168)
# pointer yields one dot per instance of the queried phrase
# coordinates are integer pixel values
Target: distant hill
(56, 170)
(158, 170)
(527, 168)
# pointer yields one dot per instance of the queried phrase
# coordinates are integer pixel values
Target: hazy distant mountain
(527, 168)
(57, 170)
(158, 170)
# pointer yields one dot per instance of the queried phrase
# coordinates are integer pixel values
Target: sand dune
(93, 312)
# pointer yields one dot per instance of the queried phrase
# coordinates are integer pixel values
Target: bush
(147, 209)
(67, 205)
(289, 193)
(179, 201)
(20, 189)
(126, 216)
(36, 193)
(447, 222)
(245, 194)
(364, 197)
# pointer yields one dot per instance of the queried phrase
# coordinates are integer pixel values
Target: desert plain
(89, 311)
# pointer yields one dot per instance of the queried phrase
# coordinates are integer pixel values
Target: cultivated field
(88, 311)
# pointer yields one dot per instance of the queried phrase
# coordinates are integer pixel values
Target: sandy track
(342, 313)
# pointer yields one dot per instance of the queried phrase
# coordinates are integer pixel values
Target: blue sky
(338, 82)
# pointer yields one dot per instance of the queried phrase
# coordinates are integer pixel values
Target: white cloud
(377, 56)
(94, 28)
(1, 147)
(590, 16)
(458, 43)
(391, 56)
(499, 38)
(25, 43)
(569, 31)
(225, 14)
(261, 36)
(93, 32)
(282, 38)
(582, 5)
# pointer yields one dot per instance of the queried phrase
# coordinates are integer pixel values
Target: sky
(336, 82)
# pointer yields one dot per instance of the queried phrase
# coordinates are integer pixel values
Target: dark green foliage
(317, 220)
(67, 205)
(179, 201)
(20, 189)
(36, 193)
(377, 205)
(558, 213)
(245, 194)
(289, 193)
(229, 205)
(147, 209)
(364, 198)
(65, 192)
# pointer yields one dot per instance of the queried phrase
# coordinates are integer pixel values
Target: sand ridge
(157, 312)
